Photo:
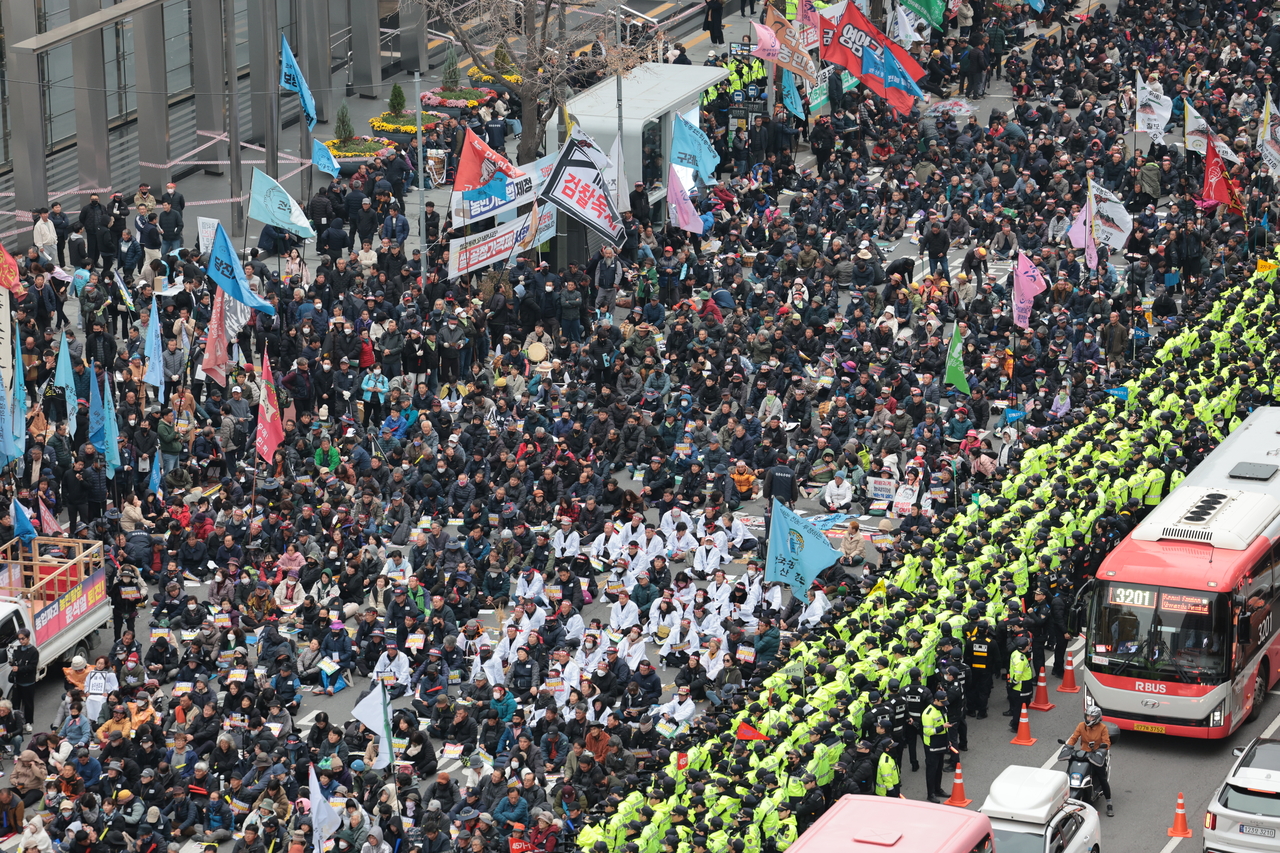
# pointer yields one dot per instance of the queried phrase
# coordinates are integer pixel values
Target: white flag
(1197, 135)
(324, 817)
(1269, 135)
(1154, 111)
(615, 177)
(374, 711)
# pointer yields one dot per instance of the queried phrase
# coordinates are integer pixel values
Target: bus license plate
(1260, 831)
(1148, 727)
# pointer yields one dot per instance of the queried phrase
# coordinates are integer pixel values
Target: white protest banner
(520, 191)
(488, 247)
(206, 227)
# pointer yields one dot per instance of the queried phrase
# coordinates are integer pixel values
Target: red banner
(270, 427)
(749, 732)
(8, 271)
(74, 604)
(215, 348)
(1217, 184)
(478, 164)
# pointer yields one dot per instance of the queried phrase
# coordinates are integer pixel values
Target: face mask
(328, 367)
(549, 288)
(217, 578)
(377, 371)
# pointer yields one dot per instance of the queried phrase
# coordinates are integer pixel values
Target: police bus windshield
(1143, 631)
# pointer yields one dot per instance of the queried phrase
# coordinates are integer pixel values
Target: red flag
(8, 271)
(478, 164)
(270, 428)
(49, 525)
(1217, 185)
(682, 760)
(843, 42)
(215, 348)
(749, 732)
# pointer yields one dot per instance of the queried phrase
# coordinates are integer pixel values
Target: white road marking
(1172, 843)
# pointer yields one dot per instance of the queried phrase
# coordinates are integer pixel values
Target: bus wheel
(1261, 683)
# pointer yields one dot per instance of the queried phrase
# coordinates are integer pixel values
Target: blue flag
(271, 203)
(65, 378)
(153, 351)
(22, 526)
(226, 272)
(97, 417)
(1264, 220)
(322, 158)
(1119, 393)
(291, 80)
(154, 485)
(1012, 416)
(111, 432)
(896, 77)
(798, 550)
(495, 189)
(690, 147)
(791, 95)
(19, 398)
(9, 449)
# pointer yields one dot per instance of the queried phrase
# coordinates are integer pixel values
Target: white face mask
(377, 371)
(328, 367)
(549, 288)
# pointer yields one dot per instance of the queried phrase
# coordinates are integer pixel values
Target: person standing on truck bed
(24, 663)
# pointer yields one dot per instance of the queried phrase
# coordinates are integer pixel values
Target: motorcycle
(1079, 776)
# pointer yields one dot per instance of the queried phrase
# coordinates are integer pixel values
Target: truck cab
(1031, 811)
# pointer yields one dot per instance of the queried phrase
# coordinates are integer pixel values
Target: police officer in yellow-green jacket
(786, 832)
(1020, 681)
(933, 731)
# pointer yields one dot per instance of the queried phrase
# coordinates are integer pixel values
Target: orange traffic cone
(1041, 701)
(957, 797)
(1180, 828)
(1068, 684)
(1024, 737)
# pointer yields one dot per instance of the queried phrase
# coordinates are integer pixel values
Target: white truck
(1031, 811)
(57, 589)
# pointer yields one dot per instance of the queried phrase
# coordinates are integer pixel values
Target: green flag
(955, 364)
(931, 10)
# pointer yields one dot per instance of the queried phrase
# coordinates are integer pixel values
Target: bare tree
(543, 60)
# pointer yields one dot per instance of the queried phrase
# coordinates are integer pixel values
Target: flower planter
(439, 100)
(352, 157)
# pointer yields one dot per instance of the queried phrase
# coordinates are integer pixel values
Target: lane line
(1172, 843)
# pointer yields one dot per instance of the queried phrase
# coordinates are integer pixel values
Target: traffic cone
(1024, 737)
(1180, 828)
(1041, 701)
(1068, 684)
(957, 797)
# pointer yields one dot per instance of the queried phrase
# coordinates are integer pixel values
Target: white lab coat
(706, 560)
(623, 616)
(566, 547)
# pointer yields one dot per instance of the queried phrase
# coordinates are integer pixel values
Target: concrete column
(264, 79)
(414, 39)
(207, 75)
(316, 55)
(152, 100)
(30, 180)
(366, 56)
(92, 151)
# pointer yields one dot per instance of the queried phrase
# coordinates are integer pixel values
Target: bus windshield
(1160, 632)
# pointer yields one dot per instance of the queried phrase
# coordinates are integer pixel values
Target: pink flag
(215, 348)
(807, 13)
(683, 213)
(767, 45)
(1027, 283)
(49, 525)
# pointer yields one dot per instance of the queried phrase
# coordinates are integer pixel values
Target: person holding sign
(392, 670)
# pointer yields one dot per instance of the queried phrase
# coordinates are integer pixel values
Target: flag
(1090, 238)
(683, 213)
(690, 147)
(153, 350)
(791, 95)
(1012, 416)
(807, 14)
(798, 550)
(111, 431)
(215, 347)
(845, 41)
(125, 296)
(228, 274)
(495, 189)
(49, 525)
(1197, 135)
(97, 417)
(529, 231)
(932, 11)
(900, 90)
(325, 820)
(1119, 393)
(22, 527)
(791, 51)
(907, 32)
(766, 43)
(19, 396)
(478, 163)
(374, 711)
(955, 363)
(322, 158)
(291, 80)
(1266, 266)
(1217, 184)
(1027, 284)
(270, 428)
(577, 186)
(271, 203)
(154, 483)
(9, 277)
(746, 731)
(615, 177)
(1269, 135)
(1153, 112)
(65, 378)
(1263, 223)
(9, 448)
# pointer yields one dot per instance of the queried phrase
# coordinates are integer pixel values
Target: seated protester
(182, 812)
(392, 670)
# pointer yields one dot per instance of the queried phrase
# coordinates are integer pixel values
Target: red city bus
(856, 824)
(1180, 637)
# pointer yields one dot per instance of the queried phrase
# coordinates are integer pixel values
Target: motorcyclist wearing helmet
(1092, 735)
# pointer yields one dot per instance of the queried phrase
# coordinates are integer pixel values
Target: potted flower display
(351, 150)
(399, 125)
(452, 97)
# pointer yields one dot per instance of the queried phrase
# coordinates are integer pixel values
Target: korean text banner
(791, 54)
(488, 247)
(74, 604)
(577, 187)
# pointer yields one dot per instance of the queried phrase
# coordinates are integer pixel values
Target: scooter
(1079, 776)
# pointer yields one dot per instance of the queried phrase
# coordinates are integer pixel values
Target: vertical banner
(6, 344)
(206, 227)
